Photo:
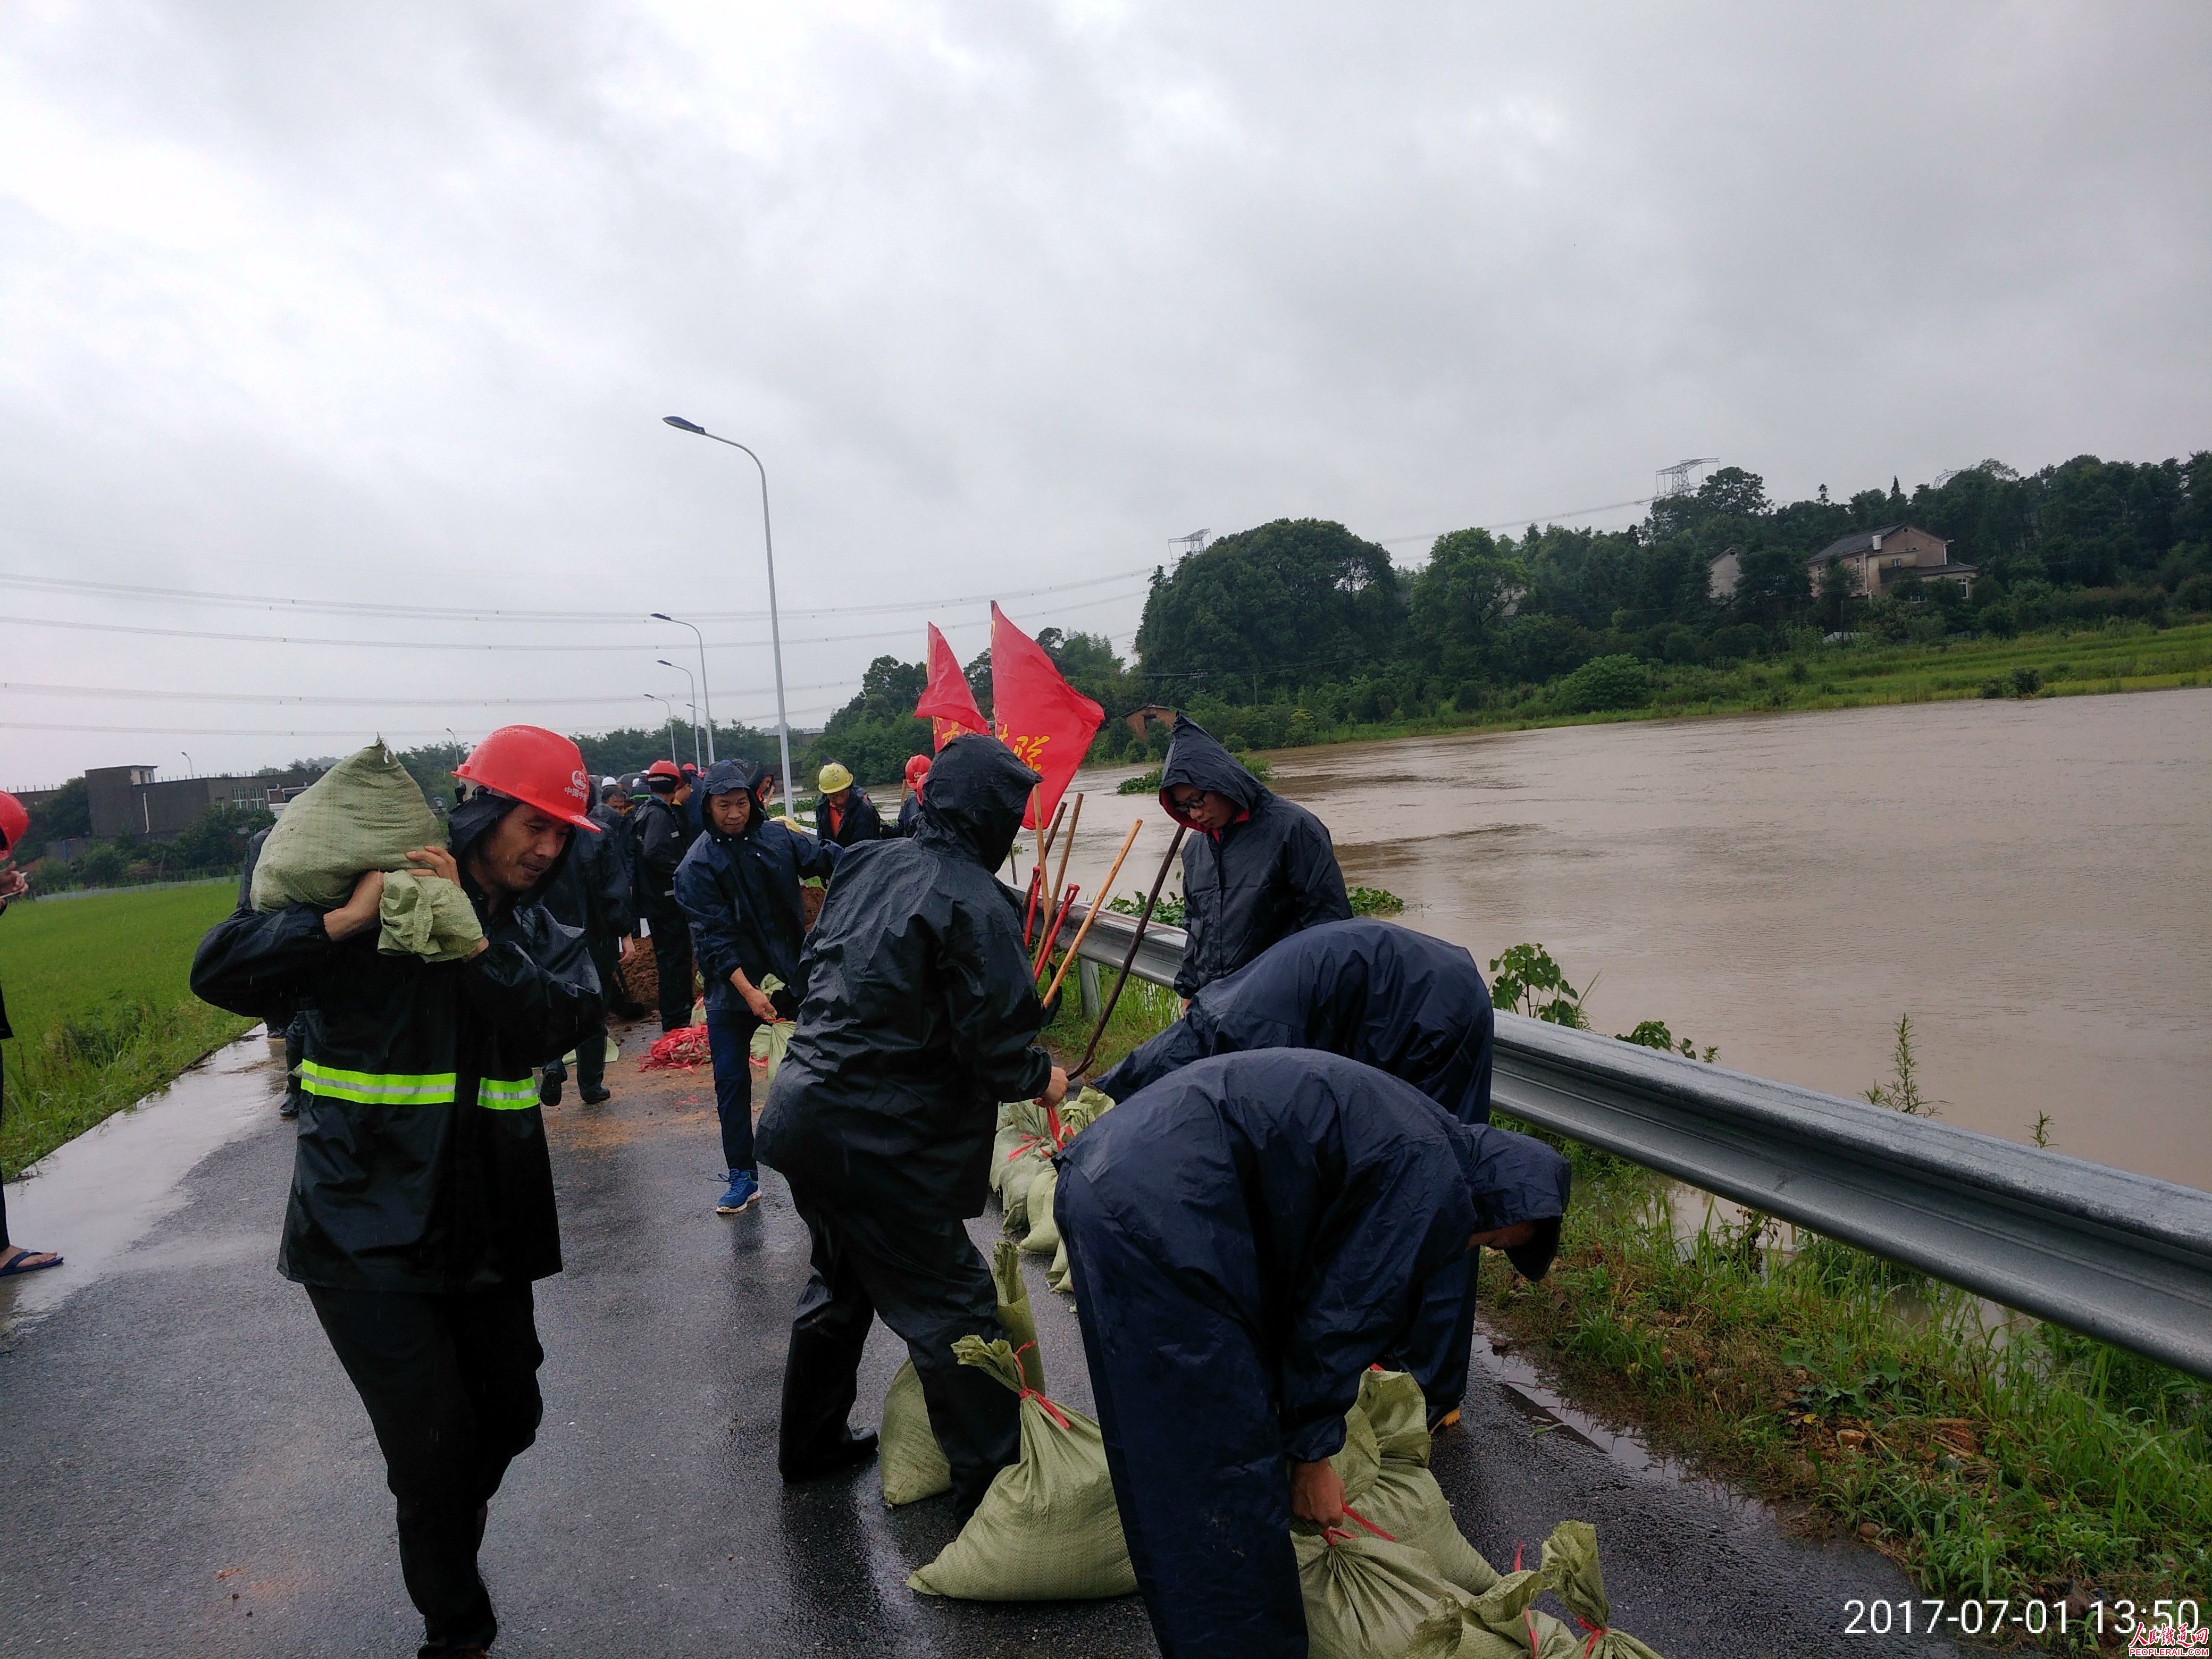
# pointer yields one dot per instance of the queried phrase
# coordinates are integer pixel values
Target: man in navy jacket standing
(738, 887)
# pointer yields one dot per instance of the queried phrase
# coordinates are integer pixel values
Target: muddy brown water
(2031, 881)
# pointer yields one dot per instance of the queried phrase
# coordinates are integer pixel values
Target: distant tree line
(1278, 634)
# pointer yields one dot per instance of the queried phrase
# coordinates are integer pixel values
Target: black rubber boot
(820, 1381)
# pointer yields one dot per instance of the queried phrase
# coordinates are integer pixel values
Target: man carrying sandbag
(1257, 868)
(738, 886)
(919, 1017)
(1246, 1236)
(664, 836)
(592, 895)
(421, 1204)
(1387, 997)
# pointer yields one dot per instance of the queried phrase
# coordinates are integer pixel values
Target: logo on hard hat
(578, 786)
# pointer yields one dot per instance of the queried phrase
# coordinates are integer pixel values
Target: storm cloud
(383, 304)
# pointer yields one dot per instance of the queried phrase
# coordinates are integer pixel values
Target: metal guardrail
(2118, 1257)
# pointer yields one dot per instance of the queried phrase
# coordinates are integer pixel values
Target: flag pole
(1129, 961)
(1091, 914)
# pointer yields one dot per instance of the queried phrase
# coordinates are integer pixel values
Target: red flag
(1041, 717)
(947, 702)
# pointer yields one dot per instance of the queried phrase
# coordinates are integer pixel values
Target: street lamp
(688, 681)
(665, 704)
(706, 696)
(774, 629)
(189, 771)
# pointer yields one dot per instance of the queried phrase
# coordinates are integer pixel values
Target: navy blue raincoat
(740, 894)
(1385, 995)
(1271, 872)
(1246, 1236)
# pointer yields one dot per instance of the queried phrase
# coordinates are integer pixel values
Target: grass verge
(103, 1013)
(1992, 1461)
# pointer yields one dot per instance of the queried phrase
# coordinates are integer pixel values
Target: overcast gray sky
(383, 304)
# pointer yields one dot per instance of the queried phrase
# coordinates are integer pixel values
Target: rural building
(1725, 571)
(1880, 559)
(1136, 718)
(127, 800)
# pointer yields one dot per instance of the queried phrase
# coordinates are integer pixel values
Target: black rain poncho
(920, 1015)
(422, 1163)
(1268, 874)
(1246, 1236)
(740, 893)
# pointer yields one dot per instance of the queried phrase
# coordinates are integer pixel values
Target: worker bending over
(422, 1203)
(1387, 997)
(843, 814)
(738, 886)
(919, 1017)
(1246, 1236)
(1257, 867)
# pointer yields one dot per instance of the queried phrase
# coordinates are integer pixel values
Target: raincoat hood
(974, 799)
(1514, 1178)
(725, 778)
(1196, 761)
(472, 820)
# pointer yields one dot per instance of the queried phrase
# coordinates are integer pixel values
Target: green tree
(1459, 600)
(1290, 602)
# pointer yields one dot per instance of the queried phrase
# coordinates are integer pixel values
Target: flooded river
(2031, 881)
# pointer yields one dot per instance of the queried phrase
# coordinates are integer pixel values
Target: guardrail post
(1086, 977)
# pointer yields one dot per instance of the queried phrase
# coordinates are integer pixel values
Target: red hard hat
(663, 769)
(13, 821)
(917, 768)
(538, 768)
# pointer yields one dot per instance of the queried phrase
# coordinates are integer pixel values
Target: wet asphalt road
(187, 1471)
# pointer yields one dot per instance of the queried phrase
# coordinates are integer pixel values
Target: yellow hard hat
(835, 777)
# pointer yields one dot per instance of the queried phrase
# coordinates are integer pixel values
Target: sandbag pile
(1400, 1579)
(907, 1456)
(1048, 1529)
(367, 813)
(1021, 1170)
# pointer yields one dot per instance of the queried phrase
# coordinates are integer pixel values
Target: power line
(766, 722)
(451, 613)
(1528, 518)
(473, 645)
(282, 698)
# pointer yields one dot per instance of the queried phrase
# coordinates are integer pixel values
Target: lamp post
(190, 771)
(706, 695)
(774, 628)
(693, 685)
(673, 759)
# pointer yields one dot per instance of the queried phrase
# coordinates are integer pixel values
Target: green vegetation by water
(98, 993)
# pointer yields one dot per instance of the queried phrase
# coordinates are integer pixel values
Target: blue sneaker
(743, 1193)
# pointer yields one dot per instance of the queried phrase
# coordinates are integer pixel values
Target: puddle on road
(94, 1198)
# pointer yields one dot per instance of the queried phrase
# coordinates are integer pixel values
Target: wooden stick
(1059, 876)
(1091, 914)
(1044, 945)
(1053, 834)
(1143, 920)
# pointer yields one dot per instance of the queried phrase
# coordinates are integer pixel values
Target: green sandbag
(1570, 1563)
(1046, 1530)
(771, 1038)
(365, 813)
(1406, 1500)
(1499, 1624)
(423, 916)
(1043, 1235)
(1365, 1598)
(1059, 1277)
(907, 1456)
